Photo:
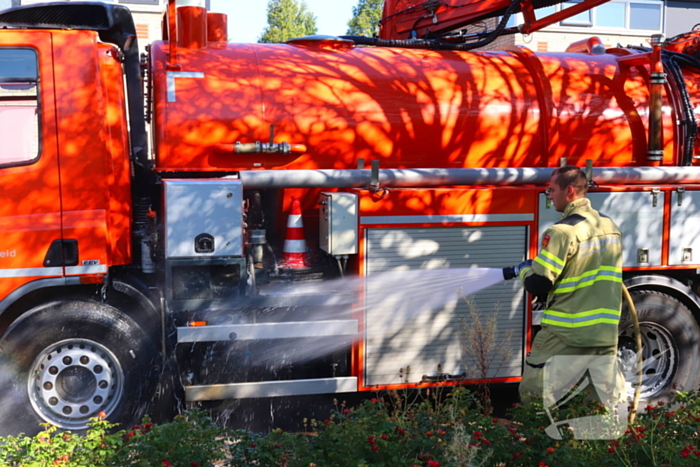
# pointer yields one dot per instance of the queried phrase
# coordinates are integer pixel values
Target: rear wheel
(670, 346)
(65, 362)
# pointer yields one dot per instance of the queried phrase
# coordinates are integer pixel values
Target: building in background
(147, 14)
(618, 22)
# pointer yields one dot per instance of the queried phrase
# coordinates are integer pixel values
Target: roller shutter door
(432, 337)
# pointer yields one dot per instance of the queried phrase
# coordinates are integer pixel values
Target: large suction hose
(638, 339)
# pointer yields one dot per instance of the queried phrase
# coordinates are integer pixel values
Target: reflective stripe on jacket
(582, 257)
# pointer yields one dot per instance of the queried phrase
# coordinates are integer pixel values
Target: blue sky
(247, 18)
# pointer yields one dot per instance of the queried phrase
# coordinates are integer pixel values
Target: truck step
(270, 389)
(280, 330)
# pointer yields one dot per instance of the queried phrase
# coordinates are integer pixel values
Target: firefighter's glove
(513, 271)
(525, 264)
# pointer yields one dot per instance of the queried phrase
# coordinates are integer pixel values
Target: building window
(142, 2)
(636, 16)
(582, 19)
(611, 15)
(19, 106)
(645, 16)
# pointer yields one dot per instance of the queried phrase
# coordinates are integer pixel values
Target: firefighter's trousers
(553, 368)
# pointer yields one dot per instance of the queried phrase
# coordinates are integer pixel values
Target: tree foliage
(287, 19)
(365, 18)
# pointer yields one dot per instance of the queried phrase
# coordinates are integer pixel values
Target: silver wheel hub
(659, 359)
(74, 380)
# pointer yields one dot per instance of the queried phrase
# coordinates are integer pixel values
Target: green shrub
(393, 431)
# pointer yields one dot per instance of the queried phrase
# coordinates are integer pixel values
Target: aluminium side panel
(433, 337)
(638, 215)
(684, 240)
(203, 218)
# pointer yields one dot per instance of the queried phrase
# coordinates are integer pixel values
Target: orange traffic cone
(294, 253)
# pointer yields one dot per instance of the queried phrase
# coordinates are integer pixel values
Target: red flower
(516, 455)
(684, 454)
(252, 445)
(66, 437)
(65, 458)
(131, 434)
(611, 449)
(326, 422)
(428, 433)
(401, 431)
(148, 425)
(166, 463)
(550, 450)
(375, 447)
(486, 441)
(136, 427)
(477, 434)
(373, 400)
(102, 415)
(371, 440)
(441, 432)
(494, 420)
(346, 411)
(650, 407)
(195, 464)
(433, 464)
(385, 437)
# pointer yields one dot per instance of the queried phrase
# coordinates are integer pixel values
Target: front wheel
(670, 346)
(66, 362)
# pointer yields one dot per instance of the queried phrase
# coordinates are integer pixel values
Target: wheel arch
(669, 286)
(125, 293)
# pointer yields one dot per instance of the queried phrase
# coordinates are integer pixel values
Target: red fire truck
(145, 200)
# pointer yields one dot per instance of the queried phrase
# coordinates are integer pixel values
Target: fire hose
(638, 339)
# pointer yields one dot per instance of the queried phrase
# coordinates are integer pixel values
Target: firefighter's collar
(583, 203)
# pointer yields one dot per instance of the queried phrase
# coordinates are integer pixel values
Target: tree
(287, 19)
(365, 18)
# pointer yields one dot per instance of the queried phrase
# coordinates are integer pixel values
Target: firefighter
(579, 271)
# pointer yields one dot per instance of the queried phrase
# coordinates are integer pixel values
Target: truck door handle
(62, 253)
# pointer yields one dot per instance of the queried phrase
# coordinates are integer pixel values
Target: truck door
(30, 220)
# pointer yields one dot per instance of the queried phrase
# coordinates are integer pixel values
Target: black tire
(66, 361)
(670, 342)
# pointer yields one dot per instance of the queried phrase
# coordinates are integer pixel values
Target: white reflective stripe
(170, 78)
(97, 269)
(294, 221)
(31, 272)
(458, 218)
(295, 246)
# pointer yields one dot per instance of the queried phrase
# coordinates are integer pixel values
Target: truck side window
(19, 106)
